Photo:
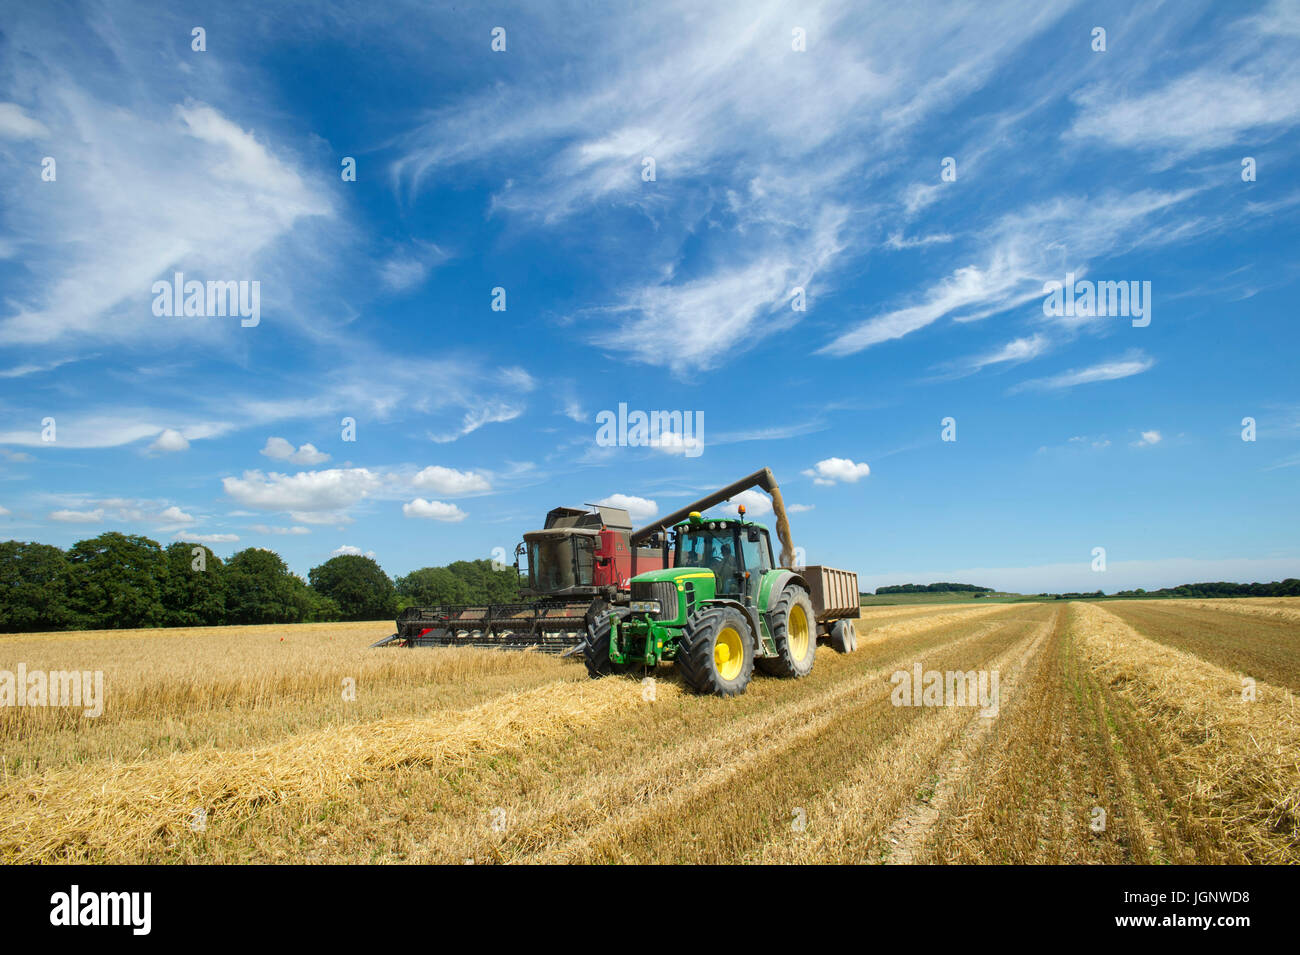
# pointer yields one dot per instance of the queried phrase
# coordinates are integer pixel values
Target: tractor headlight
(646, 606)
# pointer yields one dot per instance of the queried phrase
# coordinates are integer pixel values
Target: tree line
(122, 581)
(1221, 588)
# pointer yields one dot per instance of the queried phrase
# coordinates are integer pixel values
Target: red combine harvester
(579, 565)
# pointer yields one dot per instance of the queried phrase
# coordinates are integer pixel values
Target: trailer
(836, 604)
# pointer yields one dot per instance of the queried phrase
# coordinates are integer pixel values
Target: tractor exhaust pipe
(764, 479)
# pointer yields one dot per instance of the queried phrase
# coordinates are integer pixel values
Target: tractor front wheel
(716, 652)
(794, 631)
(595, 652)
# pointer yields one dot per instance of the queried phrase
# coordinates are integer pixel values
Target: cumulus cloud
(837, 470)
(349, 549)
(449, 481)
(282, 450)
(170, 440)
(638, 508)
(174, 515)
(307, 492)
(756, 504)
(433, 510)
(1147, 439)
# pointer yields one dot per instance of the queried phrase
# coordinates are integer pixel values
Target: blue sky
(775, 168)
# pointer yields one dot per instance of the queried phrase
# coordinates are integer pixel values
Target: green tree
(260, 589)
(431, 586)
(486, 585)
(357, 585)
(33, 588)
(193, 589)
(115, 580)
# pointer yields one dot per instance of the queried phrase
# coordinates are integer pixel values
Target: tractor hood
(671, 573)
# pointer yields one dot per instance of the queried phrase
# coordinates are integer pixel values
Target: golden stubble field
(1125, 732)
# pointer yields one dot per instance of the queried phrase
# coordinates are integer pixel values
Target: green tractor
(720, 609)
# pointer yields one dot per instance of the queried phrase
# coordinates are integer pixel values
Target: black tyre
(844, 637)
(595, 652)
(716, 654)
(794, 630)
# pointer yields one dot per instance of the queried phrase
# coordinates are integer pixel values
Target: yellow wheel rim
(728, 653)
(796, 632)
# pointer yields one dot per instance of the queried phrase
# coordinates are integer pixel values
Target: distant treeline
(939, 588)
(119, 581)
(1220, 588)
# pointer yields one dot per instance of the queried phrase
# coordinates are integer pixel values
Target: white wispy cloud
(159, 188)
(1103, 371)
(1024, 249)
(1250, 86)
(16, 124)
(710, 102)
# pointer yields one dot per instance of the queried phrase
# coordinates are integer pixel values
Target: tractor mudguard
(775, 581)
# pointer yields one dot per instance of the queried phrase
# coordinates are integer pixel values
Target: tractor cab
(736, 551)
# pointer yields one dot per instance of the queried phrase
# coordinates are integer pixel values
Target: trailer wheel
(595, 651)
(794, 630)
(844, 637)
(716, 652)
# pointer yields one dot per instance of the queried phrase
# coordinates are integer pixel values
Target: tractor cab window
(757, 550)
(715, 549)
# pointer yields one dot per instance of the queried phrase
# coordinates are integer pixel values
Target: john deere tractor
(719, 609)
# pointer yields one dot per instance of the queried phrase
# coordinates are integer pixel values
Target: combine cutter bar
(548, 627)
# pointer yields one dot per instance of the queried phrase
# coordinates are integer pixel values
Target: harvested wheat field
(1121, 733)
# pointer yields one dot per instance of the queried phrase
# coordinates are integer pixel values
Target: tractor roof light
(741, 509)
(695, 517)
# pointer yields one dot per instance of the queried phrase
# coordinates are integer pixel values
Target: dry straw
(1245, 755)
(74, 813)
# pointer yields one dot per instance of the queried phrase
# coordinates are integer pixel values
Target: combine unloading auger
(579, 565)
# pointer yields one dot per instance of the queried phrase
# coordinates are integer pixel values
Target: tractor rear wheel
(794, 631)
(595, 652)
(844, 637)
(716, 652)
